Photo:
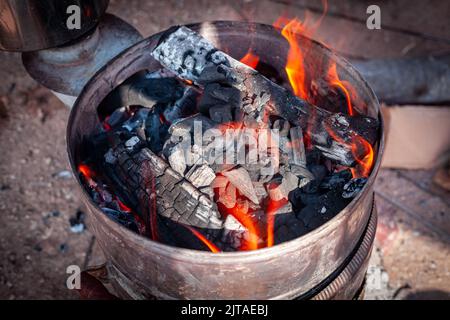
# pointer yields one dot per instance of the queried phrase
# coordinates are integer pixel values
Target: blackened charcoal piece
(156, 128)
(117, 117)
(319, 172)
(221, 113)
(183, 107)
(146, 92)
(215, 94)
(149, 185)
(190, 56)
(288, 227)
(184, 236)
(336, 180)
(133, 143)
(353, 187)
(137, 120)
(317, 209)
(124, 218)
(188, 124)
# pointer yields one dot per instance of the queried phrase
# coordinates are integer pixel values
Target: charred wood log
(193, 58)
(143, 91)
(149, 186)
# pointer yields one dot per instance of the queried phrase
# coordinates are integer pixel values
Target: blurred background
(42, 219)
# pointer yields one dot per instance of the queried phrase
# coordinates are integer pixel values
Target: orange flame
(295, 65)
(336, 82)
(272, 207)
(211, 246)
(251, 242)
(365, 162)
(86, 171)
(362, 152)
(295, 68)
(250, 59)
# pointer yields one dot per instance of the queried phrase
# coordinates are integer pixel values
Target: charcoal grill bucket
(142, 268)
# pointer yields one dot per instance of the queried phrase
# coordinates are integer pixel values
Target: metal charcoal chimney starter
(329, 262)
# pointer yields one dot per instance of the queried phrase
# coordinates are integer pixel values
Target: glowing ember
(122, 206)
(250, 59)
(87, 173)
(211, 246)
(106, 125)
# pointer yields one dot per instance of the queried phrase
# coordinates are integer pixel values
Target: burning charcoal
(131, 143)
(187, 124)
(156, 128)
(288, 227)
(227, 196)
(219, 182)
(233, 233)
(319, 172)
(208, 191)
(241, 180)
(137, 120)
(282, 126)
(109, 157)
(287, 208)
(231, 224)
(280, 187)
(185, 236)
(191, 57)
(177, 160)
(224, 94)
(143, 175)
(312, 211)
(201, 175)
(220, 114)
(304, 175)
(298, 148)
(336, 180)
(145, 92)
(183, 107)
(125, 219)
(353, 187)
(260, 190)
(214, 94)
(158, 74)
(117, 117)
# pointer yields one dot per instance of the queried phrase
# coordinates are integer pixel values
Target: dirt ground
(40, 201)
